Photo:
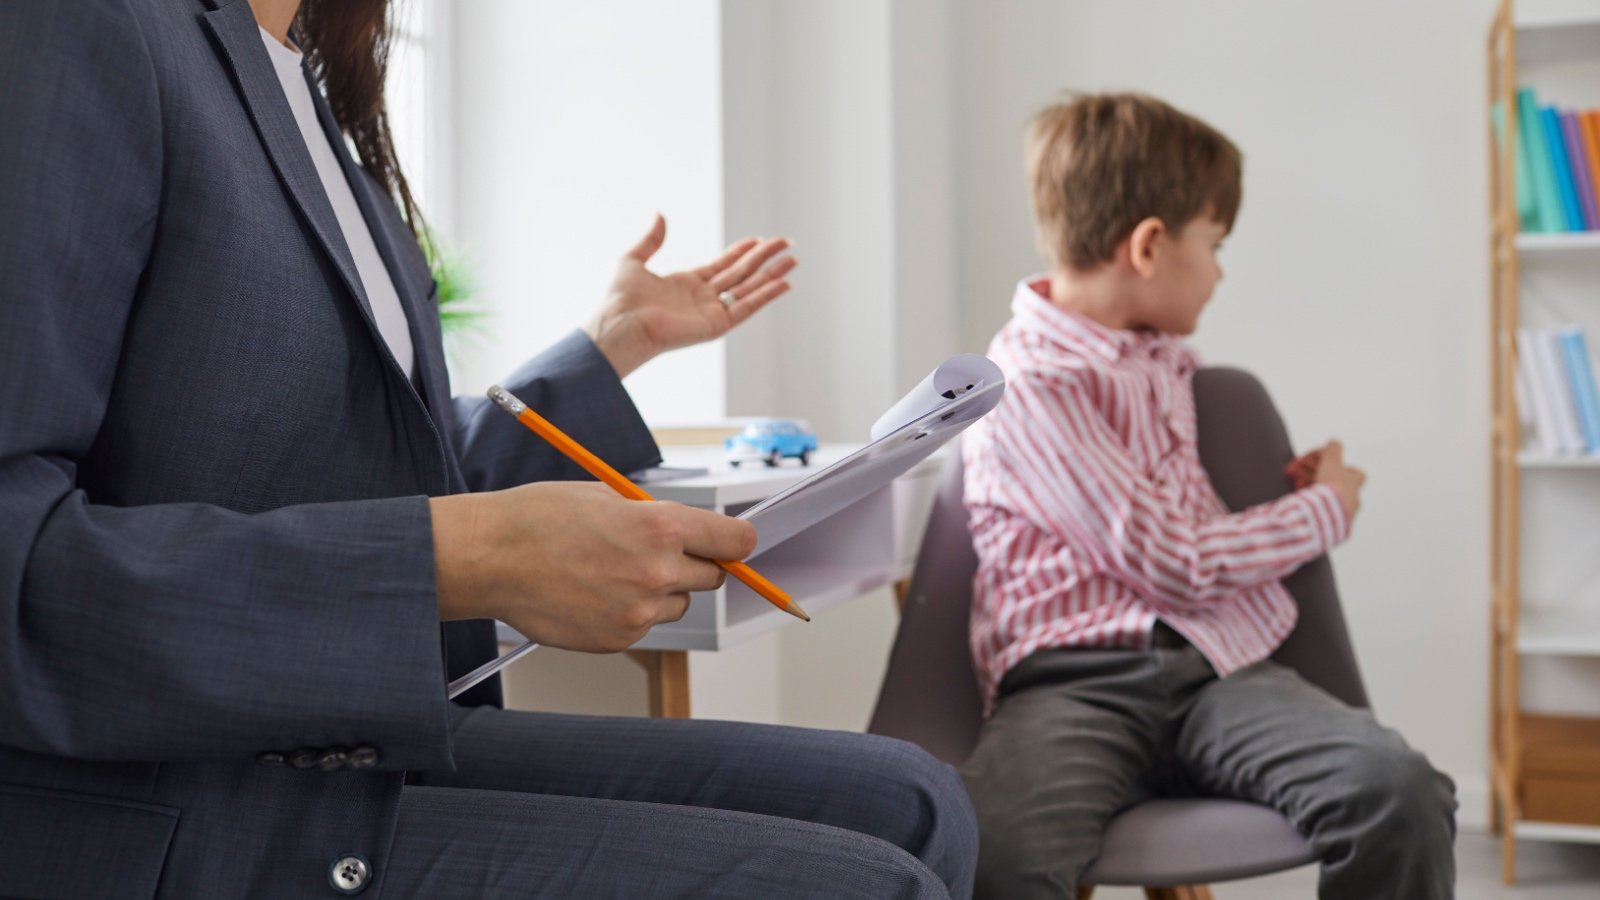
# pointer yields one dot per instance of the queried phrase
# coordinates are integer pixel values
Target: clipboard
(960, 391)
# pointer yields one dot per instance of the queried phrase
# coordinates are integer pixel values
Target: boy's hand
(1302, 470)
(1347, 480)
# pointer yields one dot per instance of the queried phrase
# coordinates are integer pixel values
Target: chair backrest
(929, 694)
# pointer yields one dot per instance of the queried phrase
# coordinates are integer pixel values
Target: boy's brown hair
(1098, 164)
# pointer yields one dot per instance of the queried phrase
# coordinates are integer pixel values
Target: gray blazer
(220, 647)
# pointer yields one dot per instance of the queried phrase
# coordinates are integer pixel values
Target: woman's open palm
(646, 314)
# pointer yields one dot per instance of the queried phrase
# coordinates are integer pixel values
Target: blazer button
(272, 759)
(350, 873)
(363, 758)
(333, 758)
(305, 758)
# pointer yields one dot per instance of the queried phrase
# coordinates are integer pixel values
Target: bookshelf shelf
(1556, 831)
(1543, 461)
(1557, 41)
(1545, 769)
(1559, 634)
(1569, 242)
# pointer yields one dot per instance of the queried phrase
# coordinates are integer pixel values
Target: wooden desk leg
(668, 675)
(902, 589)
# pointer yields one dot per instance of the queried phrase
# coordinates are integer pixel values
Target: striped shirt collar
(1038, 315)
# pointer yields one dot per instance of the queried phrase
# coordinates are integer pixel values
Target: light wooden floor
(1546, 872)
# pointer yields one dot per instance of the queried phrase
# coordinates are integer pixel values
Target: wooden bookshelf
(1545, 771)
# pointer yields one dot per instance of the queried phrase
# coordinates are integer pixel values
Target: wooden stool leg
(1182, 892)
(1085, 891)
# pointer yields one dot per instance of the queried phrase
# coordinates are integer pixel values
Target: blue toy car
(770, 440)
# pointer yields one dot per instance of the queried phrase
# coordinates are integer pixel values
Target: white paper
(960, 391)
(953, 378)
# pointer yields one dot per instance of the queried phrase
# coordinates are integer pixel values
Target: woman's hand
(646, 314)
(574, 565)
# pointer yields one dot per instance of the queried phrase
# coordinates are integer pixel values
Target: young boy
(1122, 617)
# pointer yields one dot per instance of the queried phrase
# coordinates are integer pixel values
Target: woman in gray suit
(237, 501)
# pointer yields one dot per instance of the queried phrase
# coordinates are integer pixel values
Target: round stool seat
(1162, 843)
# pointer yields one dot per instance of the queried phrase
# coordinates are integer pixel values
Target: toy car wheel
(805, 457)
(774, 458)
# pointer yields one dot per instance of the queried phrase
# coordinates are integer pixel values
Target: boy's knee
(1406, 794)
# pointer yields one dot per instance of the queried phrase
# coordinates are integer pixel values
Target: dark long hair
(347, 44)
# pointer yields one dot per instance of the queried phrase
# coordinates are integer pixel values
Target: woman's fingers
(748, 264)
(651, 242)
(729, 256)
(700, 575)
(771, 273)
(749, 306)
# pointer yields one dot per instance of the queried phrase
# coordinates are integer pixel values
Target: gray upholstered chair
(1171, 848)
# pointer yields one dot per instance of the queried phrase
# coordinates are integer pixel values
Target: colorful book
(1589, 130)
(1575, 352)
(1539, 393)
(1530, 128)
(1527, 214)
(1562, 169)
(1582, 184)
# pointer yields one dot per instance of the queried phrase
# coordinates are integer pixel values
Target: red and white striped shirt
(1092, 516)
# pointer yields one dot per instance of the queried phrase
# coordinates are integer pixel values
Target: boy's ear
(1142, 243)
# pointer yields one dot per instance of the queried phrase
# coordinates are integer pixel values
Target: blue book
(1530, 131)
(1563, 170)
(1575, 350)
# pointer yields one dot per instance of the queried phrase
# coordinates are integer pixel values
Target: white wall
(574, 124)
(884, 136)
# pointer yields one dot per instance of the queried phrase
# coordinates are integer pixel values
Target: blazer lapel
(382, 218)
(235, 28)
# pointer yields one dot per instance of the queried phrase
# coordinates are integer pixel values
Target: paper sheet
(959, 392)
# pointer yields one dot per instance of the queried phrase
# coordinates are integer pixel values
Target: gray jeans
(1080, 735)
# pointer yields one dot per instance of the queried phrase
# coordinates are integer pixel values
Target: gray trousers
(546, 805)
(1079, 735)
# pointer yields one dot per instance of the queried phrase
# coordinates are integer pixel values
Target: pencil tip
(794, 609)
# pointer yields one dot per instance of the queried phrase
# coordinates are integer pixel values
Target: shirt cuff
(1328, 516)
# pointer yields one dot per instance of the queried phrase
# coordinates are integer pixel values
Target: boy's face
(1183, 273)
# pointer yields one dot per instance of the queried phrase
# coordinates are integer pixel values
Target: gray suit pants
(1079, 735)
(546, 805)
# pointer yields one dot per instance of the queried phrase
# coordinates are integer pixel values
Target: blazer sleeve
(574, 386)
(163, 632)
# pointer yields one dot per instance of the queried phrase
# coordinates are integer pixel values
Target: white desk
(869, 545)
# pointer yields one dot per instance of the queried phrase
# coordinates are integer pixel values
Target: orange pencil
(597, 467)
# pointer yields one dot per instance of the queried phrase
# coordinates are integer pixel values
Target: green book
(1541, 165)
(1527, 208)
